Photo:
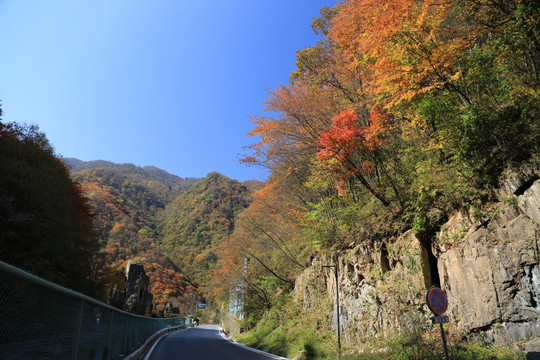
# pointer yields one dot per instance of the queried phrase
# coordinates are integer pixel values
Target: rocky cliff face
(134, 296)
(138, 298)
(492, 275)
(381, 288)
(488, 264)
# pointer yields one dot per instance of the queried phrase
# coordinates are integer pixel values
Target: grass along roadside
(290, 331)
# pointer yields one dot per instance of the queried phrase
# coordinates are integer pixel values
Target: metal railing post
(109, 334)
(135, 333)
(77, 332)
(126, 321)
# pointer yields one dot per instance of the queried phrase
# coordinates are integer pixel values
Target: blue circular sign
(437, 301)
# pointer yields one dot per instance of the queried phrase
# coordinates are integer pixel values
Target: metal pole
(444, 342)
(109, 335)
(337, 312)
(77, 334)
(335, 269)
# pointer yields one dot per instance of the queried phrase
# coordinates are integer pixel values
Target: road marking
(272, 356)
(152, 348)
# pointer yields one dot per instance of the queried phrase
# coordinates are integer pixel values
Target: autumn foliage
(403, 112)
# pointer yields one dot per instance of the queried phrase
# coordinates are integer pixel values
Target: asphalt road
(205, 342)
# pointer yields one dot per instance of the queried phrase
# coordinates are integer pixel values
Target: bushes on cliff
(403, 112)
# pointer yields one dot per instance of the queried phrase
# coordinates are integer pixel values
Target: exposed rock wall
(132, 295)
(138, 298)
(492, 276)
(381, 288)
(489, 268)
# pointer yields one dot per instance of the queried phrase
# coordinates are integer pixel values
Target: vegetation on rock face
(294, 332)
(46, 223)
(401, 114)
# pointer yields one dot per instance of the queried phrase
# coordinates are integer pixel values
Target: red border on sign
(437, 301)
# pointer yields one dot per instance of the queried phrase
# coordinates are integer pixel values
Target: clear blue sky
(168, 83)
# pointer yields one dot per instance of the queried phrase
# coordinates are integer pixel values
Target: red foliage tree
(347, 145)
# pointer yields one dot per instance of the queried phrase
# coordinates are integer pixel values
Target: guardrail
(41, 320)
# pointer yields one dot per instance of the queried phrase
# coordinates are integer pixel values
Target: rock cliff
(134, 295)
(487, 263)
(138, 298)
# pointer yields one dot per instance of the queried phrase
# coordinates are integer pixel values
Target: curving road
(206, 342)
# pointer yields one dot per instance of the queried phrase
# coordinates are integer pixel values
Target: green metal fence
(41, 320)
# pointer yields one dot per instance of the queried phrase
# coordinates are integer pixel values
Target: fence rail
(41, 320)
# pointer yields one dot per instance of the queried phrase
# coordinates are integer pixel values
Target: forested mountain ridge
(126, 198)
(78, 165)
(198, 221)
(142, 214)
(174, 182)
(127, 201)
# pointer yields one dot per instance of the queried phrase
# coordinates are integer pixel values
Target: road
(205, 342)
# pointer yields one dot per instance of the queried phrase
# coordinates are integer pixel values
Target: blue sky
(169, 83)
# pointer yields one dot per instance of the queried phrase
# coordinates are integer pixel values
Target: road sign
(201, 306)
(440, 319)
(437, 301)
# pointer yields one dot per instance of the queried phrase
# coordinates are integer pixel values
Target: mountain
(175, 183)
(76, 165)
(197, 221)
(127, 201)
(172, 225)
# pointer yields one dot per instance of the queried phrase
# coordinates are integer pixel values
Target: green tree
(46, 224)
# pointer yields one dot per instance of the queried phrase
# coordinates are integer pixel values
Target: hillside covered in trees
(170, 224)
(127, 201)
(404, 113)
(197, 222)
(46, 221)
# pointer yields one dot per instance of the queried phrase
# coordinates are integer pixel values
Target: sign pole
(438, 303)
(444, 342)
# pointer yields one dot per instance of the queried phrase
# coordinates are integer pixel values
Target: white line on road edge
(161, 332)
(152, 348)
(248, 348)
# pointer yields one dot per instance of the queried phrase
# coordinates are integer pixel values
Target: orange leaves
(166, 283)
(372, 132)
(363, 25)
(301, 116)
(116, 227)
(405, 47)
